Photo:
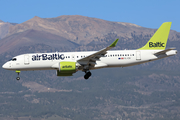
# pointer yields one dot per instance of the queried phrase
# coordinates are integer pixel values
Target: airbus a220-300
(68, 63)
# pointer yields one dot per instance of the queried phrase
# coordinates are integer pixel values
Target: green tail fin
(159, 39)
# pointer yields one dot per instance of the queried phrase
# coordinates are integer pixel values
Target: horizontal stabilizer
(164, 51)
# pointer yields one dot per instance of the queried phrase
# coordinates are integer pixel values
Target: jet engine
(66, 68)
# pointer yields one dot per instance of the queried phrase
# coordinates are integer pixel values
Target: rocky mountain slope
(83, 31)
(79, 29)
(4, 28)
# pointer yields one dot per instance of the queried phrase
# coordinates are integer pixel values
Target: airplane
(68, 63)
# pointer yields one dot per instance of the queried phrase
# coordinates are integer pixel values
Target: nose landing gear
(17, 71)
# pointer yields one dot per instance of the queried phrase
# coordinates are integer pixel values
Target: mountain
(4, 28)
(148, 91)
(80, 29)
(86, 31)
(29, 38)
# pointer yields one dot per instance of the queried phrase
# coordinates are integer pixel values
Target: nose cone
(5, 66)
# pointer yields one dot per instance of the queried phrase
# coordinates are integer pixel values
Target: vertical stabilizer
(159, 39)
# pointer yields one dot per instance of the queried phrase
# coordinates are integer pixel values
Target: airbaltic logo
(157, 44)
(47, 57)
(67, 66)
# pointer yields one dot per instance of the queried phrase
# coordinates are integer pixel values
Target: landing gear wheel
(18, 78)
(87, 75)
(18, 71)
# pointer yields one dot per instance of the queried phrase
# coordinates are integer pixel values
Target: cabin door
(138, 55)
(26, 59)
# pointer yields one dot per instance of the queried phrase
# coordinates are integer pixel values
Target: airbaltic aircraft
(67, 63)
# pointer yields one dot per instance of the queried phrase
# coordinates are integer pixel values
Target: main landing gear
(17, 71)
(87, 75)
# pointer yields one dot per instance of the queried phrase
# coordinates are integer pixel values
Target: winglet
(114, 43)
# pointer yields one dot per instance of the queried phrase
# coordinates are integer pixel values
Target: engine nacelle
(66, 68)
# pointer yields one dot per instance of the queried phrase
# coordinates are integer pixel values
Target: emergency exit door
(73, 56)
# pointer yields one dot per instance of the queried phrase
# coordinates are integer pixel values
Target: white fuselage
(114, 58)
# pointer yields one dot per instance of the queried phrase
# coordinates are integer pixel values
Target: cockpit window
(13, 59)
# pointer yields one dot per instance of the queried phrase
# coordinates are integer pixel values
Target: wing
(91, 59)
(163, 51)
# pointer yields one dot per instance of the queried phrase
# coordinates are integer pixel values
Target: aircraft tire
(87, 75)
(18, 78)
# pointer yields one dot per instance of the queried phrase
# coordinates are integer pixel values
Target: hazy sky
(146, 13)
